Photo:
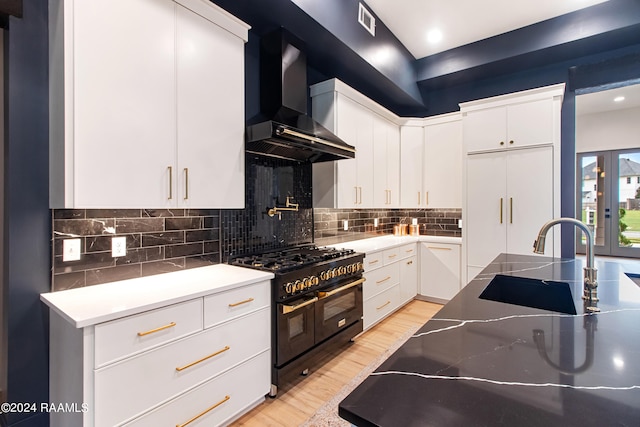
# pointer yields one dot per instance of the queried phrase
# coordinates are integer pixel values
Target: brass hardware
(356, 202)
(373, 261)
(170, 182)
(314, 139)
(182, 368)
(392, 256)
(426, 198)
(360, 202)
(383, 305)
(161, 328)
(204, 412)
(418, 198)
(409, 251)
(500, 210)
(436, 247)
(501, 142)
(409, 262)
(510, 210)
(383, 280)
(235, 304)
(293, 207)
(186, 183)
(322, 295)
(511, 142)
(286, 309)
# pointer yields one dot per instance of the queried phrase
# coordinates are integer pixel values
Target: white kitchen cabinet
(208, 342)
(137, 118)
(510, 192)
(431, 162)
(371, 180)
(391, 281)
(510, 126)
(439, 271)
(386, 163)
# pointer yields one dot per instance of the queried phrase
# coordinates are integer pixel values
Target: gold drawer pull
(235, 304)
(440, 249)
(161, 328)
(383, 305)
(182, 368)
(393, 256)
(383, 280)
(322, 295)
(409, 251)
(375, 261)
(286, 309)
(204, 412)
(410, 262)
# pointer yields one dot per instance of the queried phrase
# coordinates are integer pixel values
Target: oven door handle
(291, 308)
(322, 294)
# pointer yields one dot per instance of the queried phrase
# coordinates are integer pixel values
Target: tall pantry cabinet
(147, 104)
(512, 174)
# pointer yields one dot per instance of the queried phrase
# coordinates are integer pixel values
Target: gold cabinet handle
(374, 261)
(510, 210)
(392, 256)
(356, 201)
(186, 183)
(360, 195)
(439, 248)
(426, 198)
(291, 308)
(500, 210)
(235, 304)
(418, 198)
(409, 262)
(170, 182)
(409, 251)
(340, 289)
(383, 305)
(161, 328)
(383, 280)
(204, 412)
(182, 368)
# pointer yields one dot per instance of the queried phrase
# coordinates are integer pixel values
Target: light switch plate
(71, 250)
(118, 246)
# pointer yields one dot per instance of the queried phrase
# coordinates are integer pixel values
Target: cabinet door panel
(530, 123)
(439, 270)
(124, 103)
(408, 279)
(485, 129)
(529, 197)
(486, 222)
(443, 165)
(393, 164)
(346, 170)
(380, 187)
(411, 170)
(210, 114)
(364, 158)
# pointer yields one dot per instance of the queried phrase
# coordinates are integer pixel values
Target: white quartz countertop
(380, 243)
(101, 303)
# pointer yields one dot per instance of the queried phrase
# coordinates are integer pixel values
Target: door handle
(322, 295)
(500, 210)
(291, 308)
(186, 183)
(510, 210)
(170, 169)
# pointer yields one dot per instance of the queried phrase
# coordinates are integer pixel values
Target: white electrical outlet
(71, 249)
(375, 222)
(118, 246)
(459, 223)
(345, 225)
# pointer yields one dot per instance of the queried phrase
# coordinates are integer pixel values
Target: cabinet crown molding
(218, 16)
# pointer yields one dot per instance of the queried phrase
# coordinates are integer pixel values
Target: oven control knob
(288, 288)
(350, 268)
(324, 275)
(342, 270)
(360, 266)
(307, 282)
(334, 272)
(298, 285)
(314, 280)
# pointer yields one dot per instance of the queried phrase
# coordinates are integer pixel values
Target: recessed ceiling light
(434, 36)
(618, 99)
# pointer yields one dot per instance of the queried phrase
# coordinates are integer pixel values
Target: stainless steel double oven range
(317, 305)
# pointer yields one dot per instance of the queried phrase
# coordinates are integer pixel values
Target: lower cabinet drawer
(123, 337)
(380, 280)
(216, 401)
(380, 306)
(228, 305)
(126, 389)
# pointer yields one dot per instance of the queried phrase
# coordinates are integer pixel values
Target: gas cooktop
(290, 259)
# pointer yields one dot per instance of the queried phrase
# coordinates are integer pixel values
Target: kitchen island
(485, 363)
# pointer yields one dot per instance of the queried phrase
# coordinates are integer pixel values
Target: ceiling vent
(366, 19)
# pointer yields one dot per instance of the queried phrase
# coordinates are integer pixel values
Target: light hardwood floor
(296, 403)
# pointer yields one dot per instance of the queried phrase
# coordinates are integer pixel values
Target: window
(628, 180)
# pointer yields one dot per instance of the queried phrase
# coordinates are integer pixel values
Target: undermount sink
(534, 293)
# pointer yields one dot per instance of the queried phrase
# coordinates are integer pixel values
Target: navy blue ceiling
(337, 46)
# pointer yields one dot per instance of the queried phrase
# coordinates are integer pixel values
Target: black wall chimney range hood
(283, 129)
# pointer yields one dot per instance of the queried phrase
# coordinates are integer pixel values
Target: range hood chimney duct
(283, 129)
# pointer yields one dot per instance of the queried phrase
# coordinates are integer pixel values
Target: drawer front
(124, 337)
(373, 261)
(128, 388)
(380, 306)
(215, 401)
(390, 256)
(380, 280)
(407, 251)
(228, 305)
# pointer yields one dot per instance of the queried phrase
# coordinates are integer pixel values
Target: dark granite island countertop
(476, 362)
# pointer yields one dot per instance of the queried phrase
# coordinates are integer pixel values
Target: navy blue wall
(27, 231)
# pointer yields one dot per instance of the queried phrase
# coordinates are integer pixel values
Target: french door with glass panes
(608, 201)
